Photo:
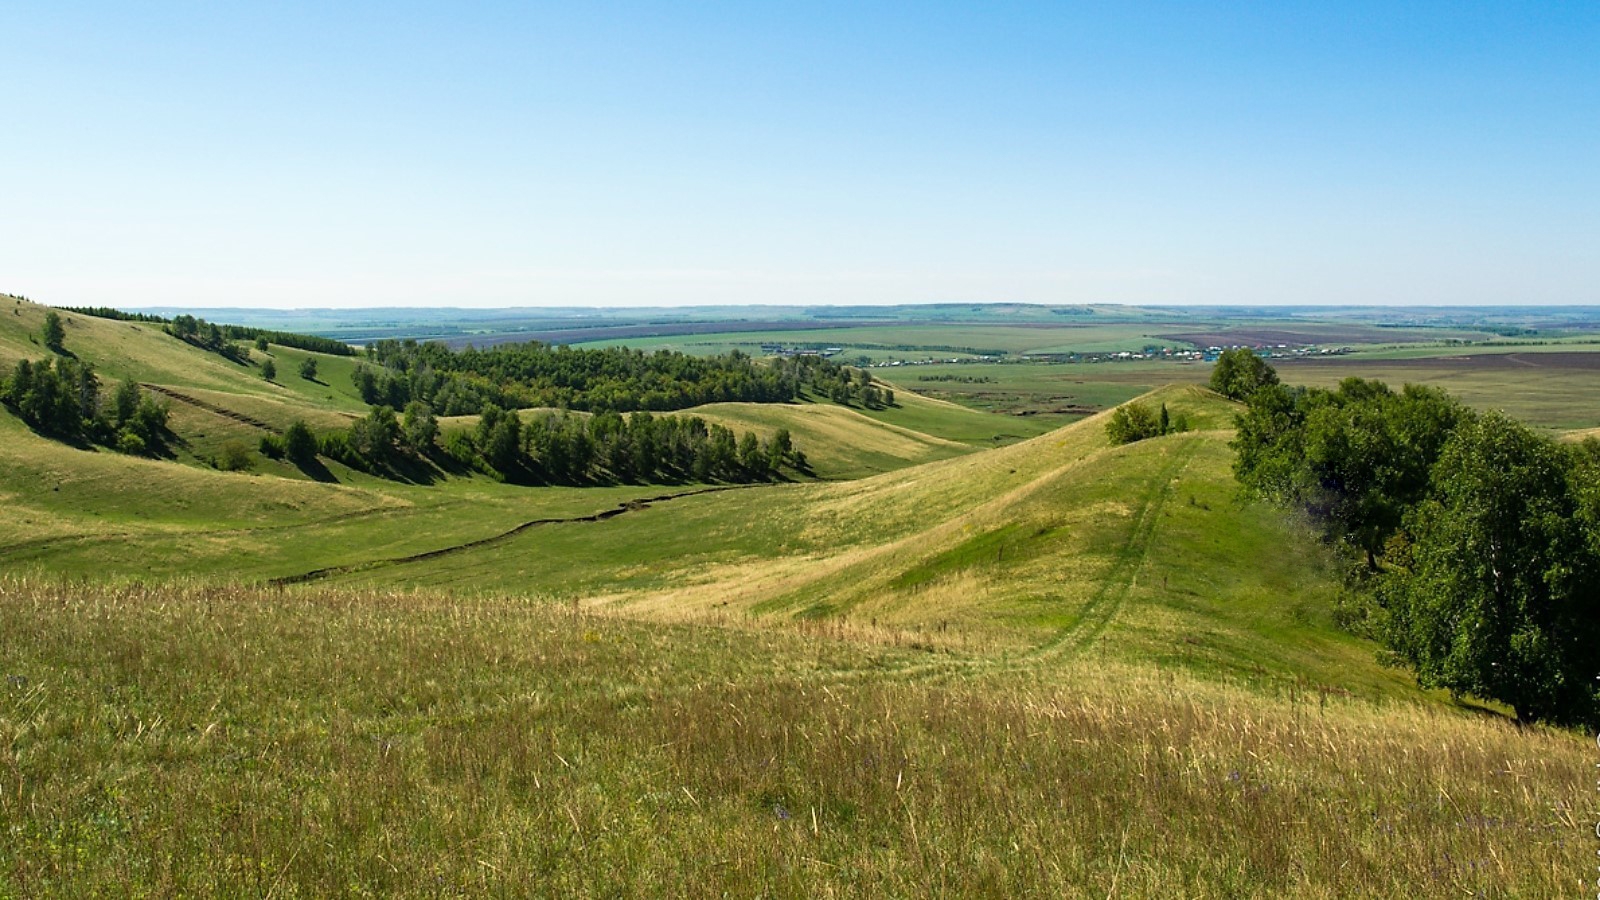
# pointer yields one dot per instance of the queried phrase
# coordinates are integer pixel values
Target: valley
(963, 652)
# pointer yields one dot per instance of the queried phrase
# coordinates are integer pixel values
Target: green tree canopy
(419, 427)
(1496, 594)
(299, 444)
(1240, 372)
(1132, 422)
(1356, 459)
(54, 333)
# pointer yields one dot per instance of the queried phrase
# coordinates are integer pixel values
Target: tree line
(843, 385)
(559, 448)
(610, 379)
(1474, 542)
(220, 338)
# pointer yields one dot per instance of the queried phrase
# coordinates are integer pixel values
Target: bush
(1132, 422)
(459, 446)
(130, 443)
(234, 457)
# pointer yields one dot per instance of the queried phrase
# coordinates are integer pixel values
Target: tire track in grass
(621, 508)
(1097, 614)
(1118, 583)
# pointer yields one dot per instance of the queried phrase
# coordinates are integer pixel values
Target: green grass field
(202, 741)
(981, 654)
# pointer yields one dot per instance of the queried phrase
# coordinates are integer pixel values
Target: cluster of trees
(552, 448)
(62, 398)
(513, 376)
(220, 338)
(106, 312)
(297, 443)
(205, 335)
(843, 385)
(1134, 422)
(1474, 542)
(612, 379)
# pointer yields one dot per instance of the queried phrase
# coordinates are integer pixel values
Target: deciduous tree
(1497, 594)
(1240, 372)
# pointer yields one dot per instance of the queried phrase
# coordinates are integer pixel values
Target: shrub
(234, 457)
(1132, 422)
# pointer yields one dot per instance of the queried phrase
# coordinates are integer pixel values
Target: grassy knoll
(845, 443)
(202, 741)
(958, 422)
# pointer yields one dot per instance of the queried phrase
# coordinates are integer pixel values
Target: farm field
(1054, 392)
(910, 341)
(1556, 388)
(972, 653)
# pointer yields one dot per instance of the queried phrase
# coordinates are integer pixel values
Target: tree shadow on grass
(314, 469)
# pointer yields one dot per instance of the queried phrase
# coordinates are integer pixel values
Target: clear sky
(592, 153)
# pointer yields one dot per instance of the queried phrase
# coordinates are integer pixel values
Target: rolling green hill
(958, 662)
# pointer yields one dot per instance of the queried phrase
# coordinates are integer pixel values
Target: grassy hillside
(1055, 545)
(1050, 666)
(93, 511)
(1058, 546)
(214, 400)
(226, 742)
(145, 353)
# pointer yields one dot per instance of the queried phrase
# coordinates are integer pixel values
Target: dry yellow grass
(197, 740)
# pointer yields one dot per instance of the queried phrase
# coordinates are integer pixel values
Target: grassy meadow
(973, 654)
(189, 740)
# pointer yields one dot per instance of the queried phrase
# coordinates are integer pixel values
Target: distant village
(1209, 354)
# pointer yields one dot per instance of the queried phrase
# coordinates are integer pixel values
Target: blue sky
(645, 154)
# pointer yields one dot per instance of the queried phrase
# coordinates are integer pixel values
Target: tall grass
(193, 740)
